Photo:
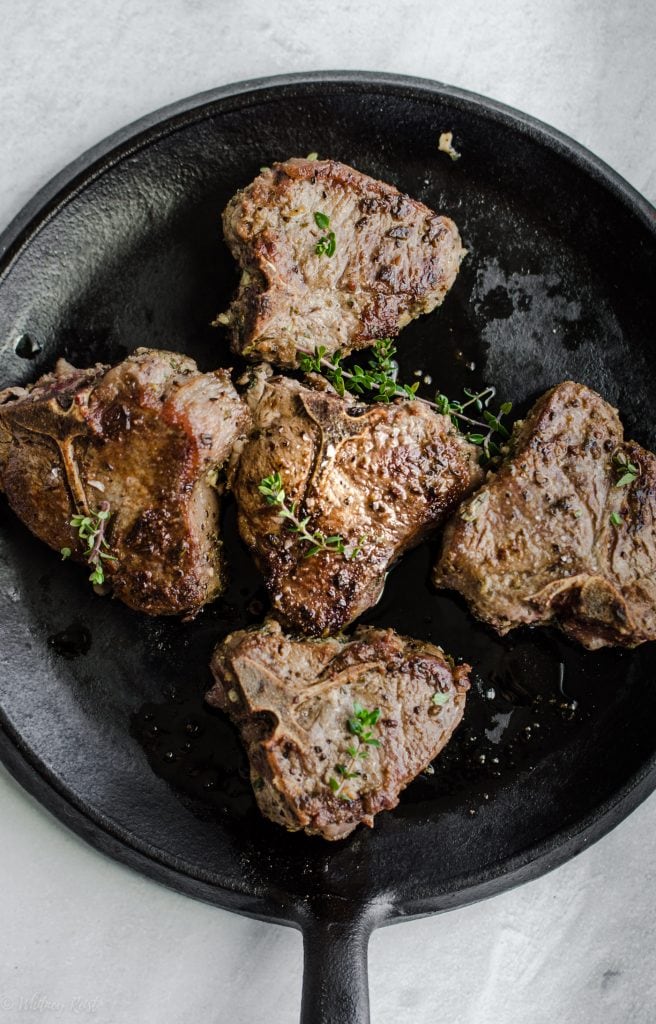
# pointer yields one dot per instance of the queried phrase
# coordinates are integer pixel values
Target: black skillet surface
(102, 714)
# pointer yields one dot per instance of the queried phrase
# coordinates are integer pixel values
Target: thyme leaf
(272, 490)
(91, 531)
(627, 472)
(326, 245)
(359, 725)
(379, 379)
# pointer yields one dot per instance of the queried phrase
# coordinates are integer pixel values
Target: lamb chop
(129, 456)
(331, 257)
(336, 728)
(371, 481)
(565, 532)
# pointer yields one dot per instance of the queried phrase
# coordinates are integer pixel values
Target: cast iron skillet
(102, 714)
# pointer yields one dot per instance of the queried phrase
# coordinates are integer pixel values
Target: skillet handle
(335, 983)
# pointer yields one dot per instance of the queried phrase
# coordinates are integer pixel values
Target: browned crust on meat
(551, 538)
(292, 698)
(395, 259)
(380, 476)
(152, 432)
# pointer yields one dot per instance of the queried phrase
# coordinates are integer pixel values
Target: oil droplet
(71, 642)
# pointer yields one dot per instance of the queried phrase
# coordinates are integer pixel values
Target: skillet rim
(109, 837)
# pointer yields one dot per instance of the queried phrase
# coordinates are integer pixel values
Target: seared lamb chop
(336, 728)
(565, 532)
(142, 442)
(378, 476)
(393, 259)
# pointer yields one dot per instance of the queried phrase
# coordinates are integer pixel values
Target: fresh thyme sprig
(360, 726)
(627, 472)
(326, 246)
(91, 531)
(489, 425)
(380, 379)
(327, 243)
(272, 489)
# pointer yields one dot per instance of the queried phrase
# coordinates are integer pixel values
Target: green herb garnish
(627, 472)
(326, 246)
(327, 243)
(360, 725)
(91, 531)
(616, 519)
(490, 424)
(360, 722)
(380, 379)
(440, 699)
(271, 488)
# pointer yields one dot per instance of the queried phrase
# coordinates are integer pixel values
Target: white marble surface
(84, 938)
